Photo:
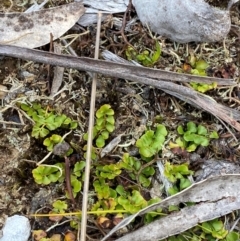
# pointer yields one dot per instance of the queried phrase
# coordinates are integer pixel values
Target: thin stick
(89, 142)
(68, 180)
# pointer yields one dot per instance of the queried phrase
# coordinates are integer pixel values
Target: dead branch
(135, 73)
(104, 67)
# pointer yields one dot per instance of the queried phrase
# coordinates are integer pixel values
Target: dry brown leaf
(38, 234)
(33, 29)
(69, 236)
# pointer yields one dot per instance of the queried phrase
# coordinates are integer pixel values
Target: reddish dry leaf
(55, 218)
(69, 236)
(104, 222)
(38, 234)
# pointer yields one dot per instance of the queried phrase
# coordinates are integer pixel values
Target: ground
(137, 107)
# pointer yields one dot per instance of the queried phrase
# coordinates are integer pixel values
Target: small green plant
(133, 167)
(120, 199)
(151, 142)
(46, 121)
(104, 125)
(201, 87)
(146, 57)
(211, 231)
(215, 228)
(192, 136)
(177, 174)
(47, 174)
(198, 67)
(54, 141)
(59, 206)
(129, 199)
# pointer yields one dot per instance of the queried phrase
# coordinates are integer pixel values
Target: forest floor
(136, 107)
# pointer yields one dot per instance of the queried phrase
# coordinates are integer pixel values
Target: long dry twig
(89, 141)
(104, 67)
(135, 73)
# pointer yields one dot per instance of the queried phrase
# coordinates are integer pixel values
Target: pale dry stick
(90, 137)
(57, 224)
(74, 37)
(234, 137)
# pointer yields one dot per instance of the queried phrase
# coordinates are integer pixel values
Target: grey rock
(16, 228)
(185, 21)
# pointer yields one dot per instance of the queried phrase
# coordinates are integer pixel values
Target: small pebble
(16, 228)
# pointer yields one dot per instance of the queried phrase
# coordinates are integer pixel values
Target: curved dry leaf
(214, 197)
(184, 21)
(33, 29)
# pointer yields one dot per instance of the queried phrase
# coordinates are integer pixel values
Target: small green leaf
(137, 164)
(148, 171)
(192, 147)
(60, 119)
(184, 183)
(155, 57)
(100, 121)
(56, 138)
(25, 107)
(144, 181)
(207, 228)
(47, 142)
(73, 125)
(109, 112)
(60, 206)
(217, 225)
(36, 106)
(201, 64)
(180, 130)
(110, 119)
(67, 121)
(100, 142)
(103, 110)
(201, 140)
(173, 190)
(39, 132)
(172, 208)
(120, 190)
(105, 135)
(232, 236)
(78, 167)
(180, 142)
(45, 174)
(188, 136)
(76, 184)
(110, 127)
(191, 127)
(150, 143)
(214, 135)
(201, 130)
